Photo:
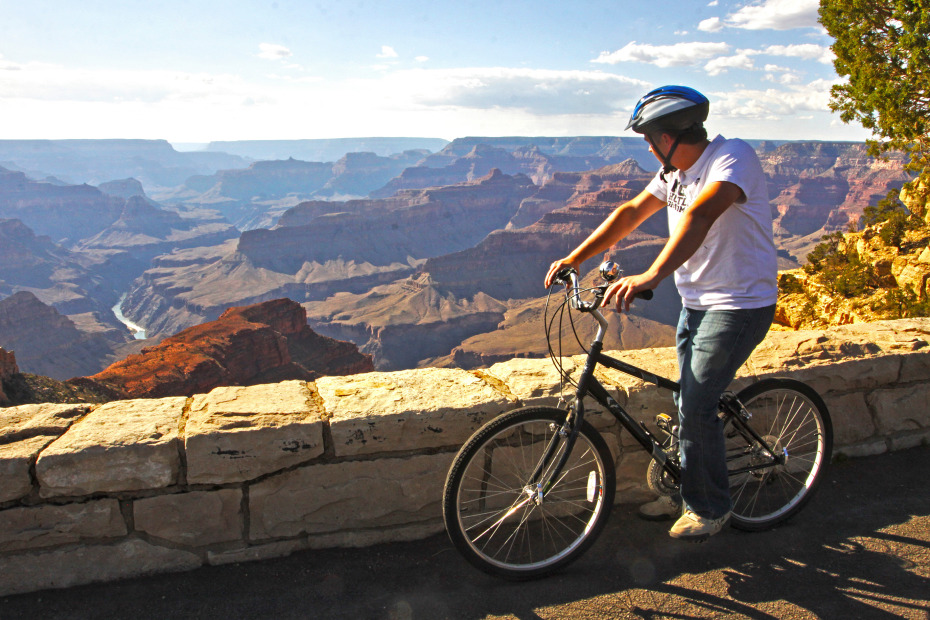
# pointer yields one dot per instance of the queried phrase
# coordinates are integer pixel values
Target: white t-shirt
(736, 266)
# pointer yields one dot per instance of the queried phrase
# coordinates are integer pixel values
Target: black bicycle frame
(589, 385)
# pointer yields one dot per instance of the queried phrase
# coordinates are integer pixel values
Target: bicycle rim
(497, 518)
(794, 422)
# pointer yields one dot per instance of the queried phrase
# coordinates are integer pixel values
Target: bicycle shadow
(860, 549)
(836, 559)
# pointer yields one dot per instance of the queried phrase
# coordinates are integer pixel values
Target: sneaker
(695, 528)
(662, 509)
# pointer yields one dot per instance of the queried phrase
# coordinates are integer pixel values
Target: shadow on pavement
(860, 549)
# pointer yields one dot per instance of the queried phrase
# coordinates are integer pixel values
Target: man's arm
(618, 225)
(684, 242)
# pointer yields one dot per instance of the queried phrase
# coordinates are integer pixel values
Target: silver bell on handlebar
(610, 270)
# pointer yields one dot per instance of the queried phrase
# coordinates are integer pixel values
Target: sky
(195, 71)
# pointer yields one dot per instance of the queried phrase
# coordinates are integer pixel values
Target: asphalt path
(860, 549)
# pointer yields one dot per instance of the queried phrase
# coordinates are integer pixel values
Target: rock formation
(257, 196)
(8, 368)
(890, 277)
(320, 253)
(51, 344)
(261, 343)
(154, 163)
(145, 230)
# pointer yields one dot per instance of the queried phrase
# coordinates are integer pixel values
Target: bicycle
(532, 489)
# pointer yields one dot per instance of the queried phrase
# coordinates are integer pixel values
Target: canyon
(418, 257)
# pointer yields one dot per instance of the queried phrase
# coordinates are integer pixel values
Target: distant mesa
(262, 343)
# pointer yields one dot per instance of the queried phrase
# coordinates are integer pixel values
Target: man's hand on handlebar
(624, 290)
(558, 266)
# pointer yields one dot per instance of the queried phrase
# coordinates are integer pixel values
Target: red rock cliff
(262, 343)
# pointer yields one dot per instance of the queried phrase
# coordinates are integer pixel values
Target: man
(722, 253)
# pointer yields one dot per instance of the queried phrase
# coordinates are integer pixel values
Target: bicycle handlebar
(569, 277)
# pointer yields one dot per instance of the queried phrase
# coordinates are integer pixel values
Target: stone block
(852, 420)
(16, 459)
(347, 496)
(904, 409)
(240, 433)
(24, 432)
(27, 421)
(871, 447)
(911, 440)
(256, 552)
(121, 446)
(533, 381)
(407, 410)
(853, 375)
(46, 526)
(914, 367)
(195, 519)
(89, 564)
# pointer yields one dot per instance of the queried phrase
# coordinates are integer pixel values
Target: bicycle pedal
(664, 422)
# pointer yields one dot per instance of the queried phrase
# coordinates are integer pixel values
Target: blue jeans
(712, 345)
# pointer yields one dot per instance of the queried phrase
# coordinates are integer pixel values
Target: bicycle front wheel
(493, 509)
(794, 422)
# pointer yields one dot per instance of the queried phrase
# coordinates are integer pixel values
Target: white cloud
(721, 64)
(776, 15)
(711, 24)
(714, 3)
(677, 55)
(807, 51)
(773, 104)
(421, 58)
(387, 52)
(537, 91)
(271, 51)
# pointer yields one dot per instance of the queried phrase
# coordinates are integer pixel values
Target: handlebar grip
(647, 294)
(563, 274)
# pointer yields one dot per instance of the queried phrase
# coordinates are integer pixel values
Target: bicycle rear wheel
(794, 421)
(492, 509)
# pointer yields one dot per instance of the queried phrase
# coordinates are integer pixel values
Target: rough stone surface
(46, 526)
(195, 519)
(121, 446)
(27, 421)
(407, 410)
(240, 433)
(533, 381)
(24, 432)
(350, 495)
(70, 567)
(852, 422)
(903, 409)
(16, 459)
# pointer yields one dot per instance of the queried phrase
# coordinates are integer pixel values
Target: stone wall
(244, 473)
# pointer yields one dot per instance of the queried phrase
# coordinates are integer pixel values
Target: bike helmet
(671, 108)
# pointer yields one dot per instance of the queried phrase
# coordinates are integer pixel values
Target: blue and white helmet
(670, 108)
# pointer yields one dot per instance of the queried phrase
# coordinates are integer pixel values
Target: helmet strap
(667, 166)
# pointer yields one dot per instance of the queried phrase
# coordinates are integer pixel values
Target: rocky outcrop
(66, 213)
(430, 222)
(248, 473)
(8, 368)
(245, 346)
(537, 158)
(51, 344)
(889, 276)
(145, 230)
(257, 196)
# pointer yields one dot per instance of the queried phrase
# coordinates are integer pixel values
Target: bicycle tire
(488, 504)
(795, 422)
